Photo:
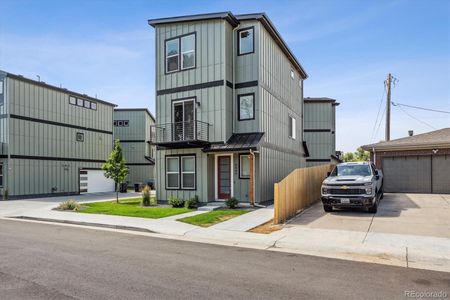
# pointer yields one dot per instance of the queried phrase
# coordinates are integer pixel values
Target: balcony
(180, 134)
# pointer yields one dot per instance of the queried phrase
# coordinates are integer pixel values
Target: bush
(192, 202)
(69, 205)
(146, 196)
(5, 194)
(176, 202)
(232, 202)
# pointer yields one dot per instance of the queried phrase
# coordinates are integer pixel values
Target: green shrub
(146, 196)
(176, 202)
(232, 202)
(69, 205)
(5, 194)
(191, 203)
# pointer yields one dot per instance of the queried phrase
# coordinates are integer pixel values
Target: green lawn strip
(213, 217)
(131, 208)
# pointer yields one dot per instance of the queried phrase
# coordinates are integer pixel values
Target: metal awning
(237, 142)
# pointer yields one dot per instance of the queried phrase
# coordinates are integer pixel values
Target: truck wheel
(327, 208)
(374, 208)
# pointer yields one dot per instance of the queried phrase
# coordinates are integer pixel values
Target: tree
(115, 167)
(359, 155)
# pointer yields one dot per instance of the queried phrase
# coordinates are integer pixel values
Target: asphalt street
(45, 261)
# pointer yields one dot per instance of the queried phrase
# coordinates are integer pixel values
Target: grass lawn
(131, 207)
(213, 217)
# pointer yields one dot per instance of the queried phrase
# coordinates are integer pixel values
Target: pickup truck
(353, 184)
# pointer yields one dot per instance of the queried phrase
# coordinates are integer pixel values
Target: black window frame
(2, 166)
(239, 40)
(180, 67)
(82, 101)
(180, 174)
(73, 97)
(240, 166)
(93, 105)
(78, 134)
(239, 106)
(86, 102)
(126, 123)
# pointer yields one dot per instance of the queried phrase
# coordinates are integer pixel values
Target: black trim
(180, 67)
(305, 148)
(318, 160)
(239, 106)
(58, 124)
(3, 156)
(139, 164)
(191, 87)
(179, 171)
(55, 158)
(229, 84)
(247, 84)
(228, 16)
(317, 130)
(132, 141)
(239, 40)
(239, 165)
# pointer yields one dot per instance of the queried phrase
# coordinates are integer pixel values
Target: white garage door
(94, 181)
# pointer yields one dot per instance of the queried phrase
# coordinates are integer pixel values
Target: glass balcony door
(184, 120)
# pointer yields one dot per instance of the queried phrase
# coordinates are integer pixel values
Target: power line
(379, 124)
(378, 113)
(411, 116)
(423, 108)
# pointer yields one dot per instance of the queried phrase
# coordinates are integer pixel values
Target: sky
(106, 49)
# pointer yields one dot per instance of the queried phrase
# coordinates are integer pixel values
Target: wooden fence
(298, 190)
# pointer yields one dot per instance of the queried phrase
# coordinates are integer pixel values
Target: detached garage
(94, 181)
(415, 164)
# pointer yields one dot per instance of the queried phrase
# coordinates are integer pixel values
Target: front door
(224, 177)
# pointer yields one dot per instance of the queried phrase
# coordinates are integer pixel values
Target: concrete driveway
(411, 214)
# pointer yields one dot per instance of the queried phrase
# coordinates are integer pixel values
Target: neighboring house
(132, 128)
(229, 100)
(320, 131)
(53, 141)
(414, 164)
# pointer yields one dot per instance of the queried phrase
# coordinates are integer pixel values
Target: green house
(229, 107)
(53, 141)
(132, 127)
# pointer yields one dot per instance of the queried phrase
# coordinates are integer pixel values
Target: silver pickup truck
(353, 184)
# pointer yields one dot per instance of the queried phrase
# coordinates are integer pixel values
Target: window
(246, 42)
(1, 87)
(87, 104)
(300, 83)
(292, 74)
(80, 102)
(180, 172)
(172, 55)
(246, 107)
(80, 137)
(121, 123)
(173, 174)
(292, 129)
(180, 53)
(115, 123)
(125, 123)
(93, 105)
(188, 52)
(188, 172)
(1, 174)
(244, 166)
(72, 100)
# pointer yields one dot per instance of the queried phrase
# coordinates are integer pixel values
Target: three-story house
(229, 105)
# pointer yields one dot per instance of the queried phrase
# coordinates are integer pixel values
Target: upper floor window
(246, 42)
(292, 129)
(246, 107)
(1, 174)
(292, 74)
(79, 137)
(1, 87)
(180, 53)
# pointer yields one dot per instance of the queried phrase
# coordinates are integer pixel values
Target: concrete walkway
(417, 251)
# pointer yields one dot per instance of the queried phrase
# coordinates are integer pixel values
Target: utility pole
(388, 83)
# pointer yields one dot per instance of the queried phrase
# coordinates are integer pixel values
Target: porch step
(208, 207)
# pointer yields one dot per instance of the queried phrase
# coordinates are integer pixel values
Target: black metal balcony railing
(196, 132)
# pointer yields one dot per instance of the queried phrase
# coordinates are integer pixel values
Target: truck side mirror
(376, 172)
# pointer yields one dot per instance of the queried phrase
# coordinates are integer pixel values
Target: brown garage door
(407, 174)
(441, 174)
(417, 174)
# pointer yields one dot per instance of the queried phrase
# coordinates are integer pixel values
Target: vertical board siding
(297, 191)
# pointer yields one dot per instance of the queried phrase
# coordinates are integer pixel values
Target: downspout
(234, 77)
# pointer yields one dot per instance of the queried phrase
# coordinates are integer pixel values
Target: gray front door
(407, 174)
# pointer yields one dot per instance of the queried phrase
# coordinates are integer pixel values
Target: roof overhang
(386, 148)
(226, 15)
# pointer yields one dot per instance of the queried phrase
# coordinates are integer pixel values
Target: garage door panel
(94, 181)
(408, 174)
(441, 174)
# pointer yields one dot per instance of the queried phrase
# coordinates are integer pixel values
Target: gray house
(320, 131)
(229, 107)
(132, 128)
(53, 141)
